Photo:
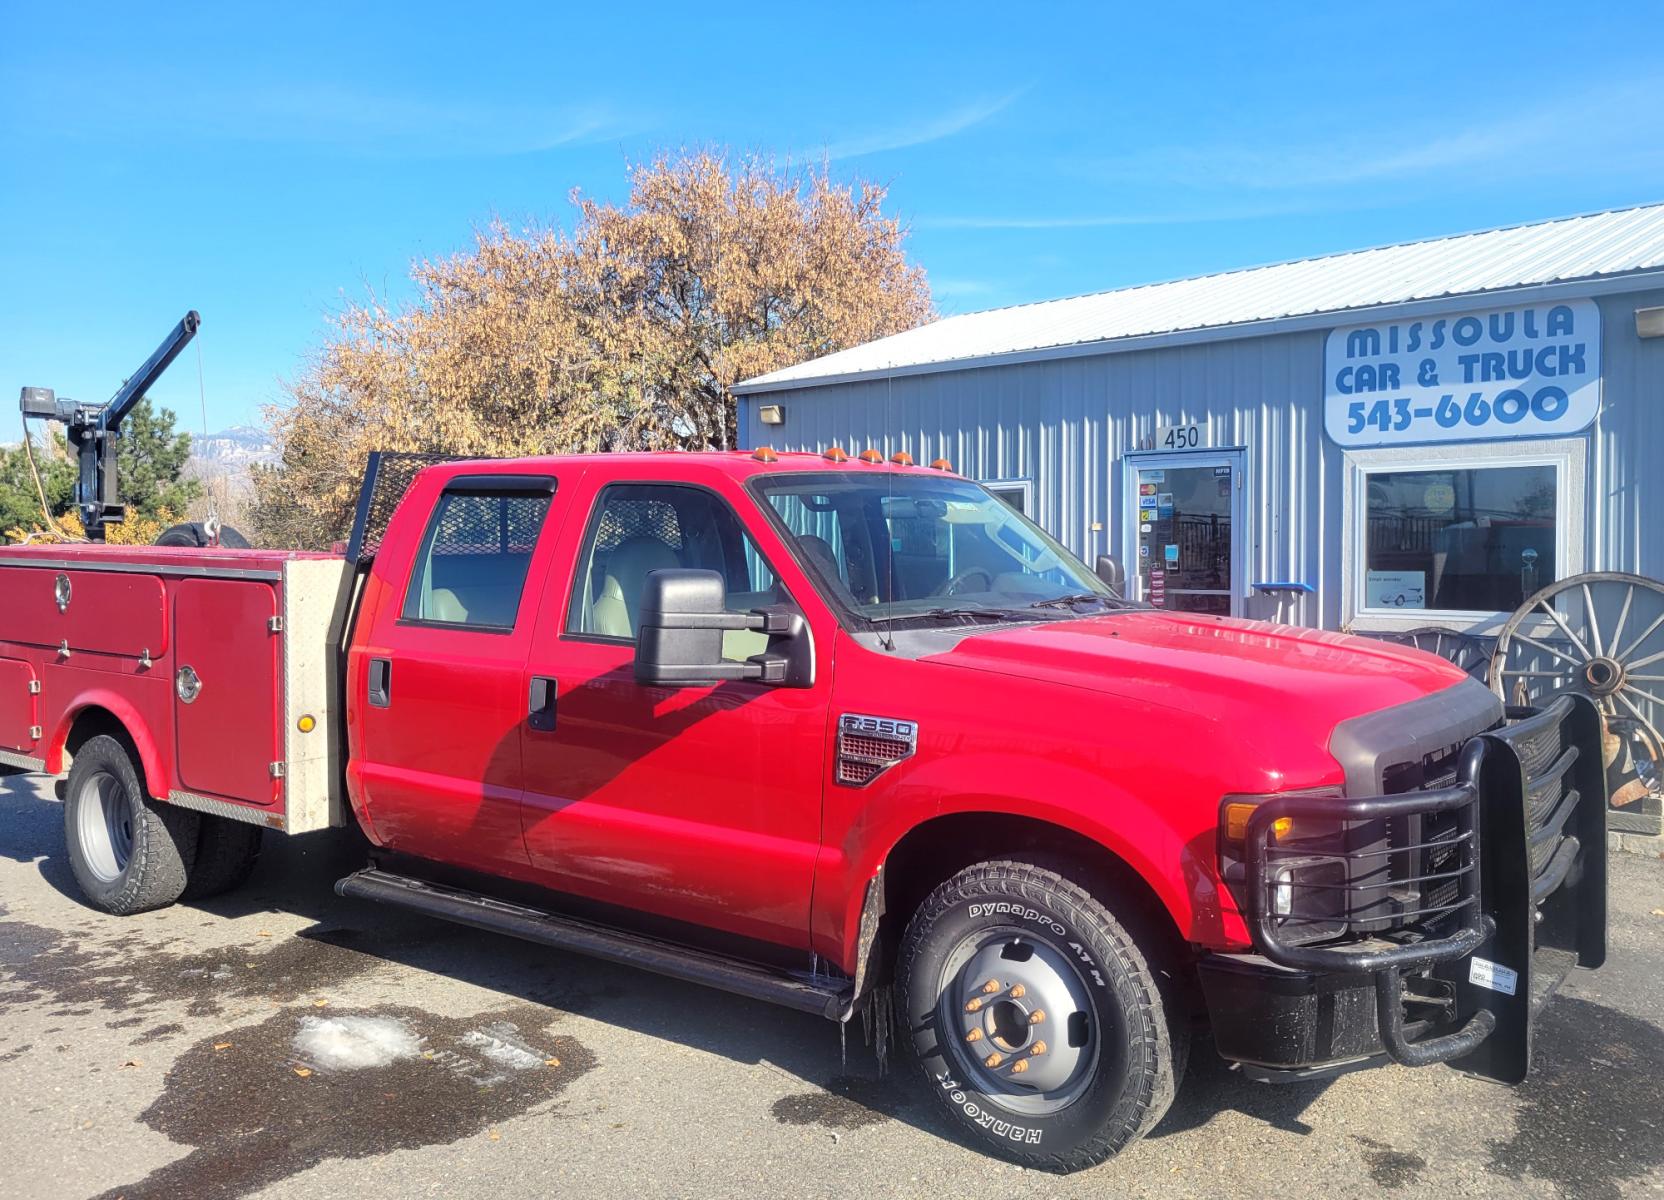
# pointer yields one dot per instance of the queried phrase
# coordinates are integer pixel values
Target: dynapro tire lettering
(1021, 911)
(1023, 1135)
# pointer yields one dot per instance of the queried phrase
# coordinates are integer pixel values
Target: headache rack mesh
(387, 477)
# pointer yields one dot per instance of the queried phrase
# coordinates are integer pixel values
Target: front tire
(1036, 1017)
(129, 853)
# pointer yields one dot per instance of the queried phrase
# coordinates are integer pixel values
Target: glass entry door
(1187, 531)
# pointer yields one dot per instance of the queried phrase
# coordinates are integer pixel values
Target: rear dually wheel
(128, 852)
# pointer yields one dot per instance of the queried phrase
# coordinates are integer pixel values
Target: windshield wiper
(1076, 598)
(953, 614)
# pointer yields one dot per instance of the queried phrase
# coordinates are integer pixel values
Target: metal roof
(1597, 245)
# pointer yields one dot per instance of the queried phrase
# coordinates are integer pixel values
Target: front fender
(1148, 839)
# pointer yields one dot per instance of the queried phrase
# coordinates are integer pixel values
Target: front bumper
(1488, 916)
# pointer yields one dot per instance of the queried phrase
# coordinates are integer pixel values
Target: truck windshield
(892, 546)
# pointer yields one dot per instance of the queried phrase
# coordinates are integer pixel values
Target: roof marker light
(901, 458)
(836, 454)
(940, 464)
(765, 454)
(869, 455)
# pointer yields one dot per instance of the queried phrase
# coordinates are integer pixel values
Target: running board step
(828, 999)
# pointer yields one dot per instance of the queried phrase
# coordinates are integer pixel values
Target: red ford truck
(845, 734)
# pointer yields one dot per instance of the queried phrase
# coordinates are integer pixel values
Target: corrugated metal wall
(1067, 424)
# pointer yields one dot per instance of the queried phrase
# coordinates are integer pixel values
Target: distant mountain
(241, 446)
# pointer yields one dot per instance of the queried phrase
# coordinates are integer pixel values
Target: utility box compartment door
(226, 652)
(19, 706)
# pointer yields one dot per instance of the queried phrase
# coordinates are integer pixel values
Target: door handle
(381, 682)
(540, 708)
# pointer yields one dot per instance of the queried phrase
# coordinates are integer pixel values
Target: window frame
(1021, 484)
(582, 566)
(1569, 459)
(476, 487)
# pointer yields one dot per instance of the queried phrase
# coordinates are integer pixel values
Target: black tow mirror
(1113, 574)
(679, 626)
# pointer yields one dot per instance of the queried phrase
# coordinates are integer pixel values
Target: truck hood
(1243, 676)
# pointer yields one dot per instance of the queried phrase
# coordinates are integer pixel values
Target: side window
(637, 529)
(471, 569)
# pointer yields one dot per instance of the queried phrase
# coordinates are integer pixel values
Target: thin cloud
(1598, 117)
(1108, 220)
(335, 117)
(918, 132)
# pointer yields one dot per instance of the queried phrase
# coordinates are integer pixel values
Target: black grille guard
(1527, 861)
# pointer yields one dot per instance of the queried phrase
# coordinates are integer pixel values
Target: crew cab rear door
(439, 681)
(700, 803)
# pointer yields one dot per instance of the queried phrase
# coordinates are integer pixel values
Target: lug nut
(974, 1005)
(1018, 992)
(1037, 1048)
(974, 1035)
(992, 986)
(1018, 1067)
(994, 1059)
(1035, 1017)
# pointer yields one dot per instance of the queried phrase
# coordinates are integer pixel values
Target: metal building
(1408, 437)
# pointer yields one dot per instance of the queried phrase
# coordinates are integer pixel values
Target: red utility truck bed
(221, 664)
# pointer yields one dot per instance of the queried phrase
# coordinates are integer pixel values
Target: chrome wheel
(104, 820)
(1020, 1019)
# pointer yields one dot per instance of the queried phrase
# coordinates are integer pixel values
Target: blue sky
(260, 163)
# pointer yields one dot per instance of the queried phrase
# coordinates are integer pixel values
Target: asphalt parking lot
(282, 1042)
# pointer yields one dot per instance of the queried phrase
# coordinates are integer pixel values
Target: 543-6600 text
(1547, 404)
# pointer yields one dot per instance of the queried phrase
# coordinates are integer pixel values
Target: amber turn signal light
(1236, 822)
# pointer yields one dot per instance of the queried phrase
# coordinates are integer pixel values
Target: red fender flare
(156, 771)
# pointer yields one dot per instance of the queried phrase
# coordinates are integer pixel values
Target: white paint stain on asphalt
(353, 1043)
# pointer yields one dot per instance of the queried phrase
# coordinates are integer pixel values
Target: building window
(1463, 540)
(1459, 531)
(1018, 493)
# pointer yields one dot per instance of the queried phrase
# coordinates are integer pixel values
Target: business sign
(1525, 372)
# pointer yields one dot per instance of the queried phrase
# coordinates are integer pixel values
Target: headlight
(1307, 875)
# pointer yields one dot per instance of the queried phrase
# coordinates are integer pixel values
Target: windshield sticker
(1172, 553)
(1146, 502)
(1154, 476)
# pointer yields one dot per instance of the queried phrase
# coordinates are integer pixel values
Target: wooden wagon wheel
(1465, 650)
(1601, 634)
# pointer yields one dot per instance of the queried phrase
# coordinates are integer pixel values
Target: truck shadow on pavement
(1595, 1062)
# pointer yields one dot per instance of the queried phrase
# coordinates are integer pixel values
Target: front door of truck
(700, 804)
(439, 684)
(1185, 514)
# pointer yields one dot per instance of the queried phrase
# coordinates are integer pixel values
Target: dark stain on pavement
(256, 1109)
(1591, 1114)
(847, 1102)
(157, 1033)
(127, 974)
(1390, 1168)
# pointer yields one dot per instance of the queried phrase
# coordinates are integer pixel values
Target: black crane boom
(93, 429)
